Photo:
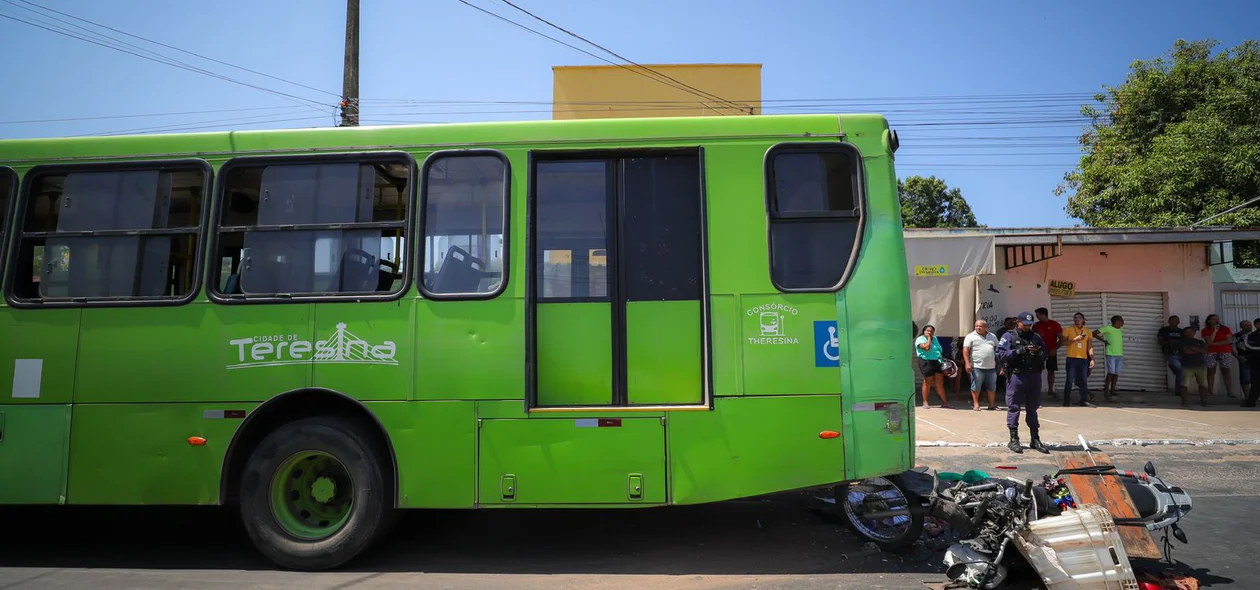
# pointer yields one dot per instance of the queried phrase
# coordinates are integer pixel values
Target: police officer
(1023, 353)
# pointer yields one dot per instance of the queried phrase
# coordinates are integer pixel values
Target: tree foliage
(929, 202)
(1177, 142)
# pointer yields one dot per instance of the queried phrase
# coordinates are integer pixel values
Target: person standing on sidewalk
(1194, 354)
(1080, 359)
(1251, 352)
(1008, 324)
(1168, 337)
(1113, 338)
(1023, 354)
(1220, 341)
(1049, 330)
(980, 354)
(928, 348)
(1244, 367)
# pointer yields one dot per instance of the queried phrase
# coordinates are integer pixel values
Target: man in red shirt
(1220, 341)
(1050, 331)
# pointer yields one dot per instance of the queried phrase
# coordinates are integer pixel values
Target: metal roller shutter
(1143, 313)
(1062, 309)
(1144, 368)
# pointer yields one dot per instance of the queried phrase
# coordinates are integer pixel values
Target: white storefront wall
(1177, 273)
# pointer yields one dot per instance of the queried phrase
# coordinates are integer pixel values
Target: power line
(194, 127)
(695, 90)
(142, 115)
(570, 46)
(305, 101)
(1065, 99)
(221, 62)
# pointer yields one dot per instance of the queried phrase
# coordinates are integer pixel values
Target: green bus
(323, 326)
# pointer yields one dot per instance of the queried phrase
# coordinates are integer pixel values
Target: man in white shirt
(980, 354)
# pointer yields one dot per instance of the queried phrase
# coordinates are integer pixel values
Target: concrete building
(656, 90)
(1142, 274)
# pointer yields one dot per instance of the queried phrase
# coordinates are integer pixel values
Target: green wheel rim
(311, 495)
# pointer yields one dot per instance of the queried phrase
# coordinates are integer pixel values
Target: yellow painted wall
(600, 92)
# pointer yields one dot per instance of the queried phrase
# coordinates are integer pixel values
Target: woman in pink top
(1220, 340)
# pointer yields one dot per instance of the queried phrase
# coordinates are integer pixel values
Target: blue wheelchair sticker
(826, 344)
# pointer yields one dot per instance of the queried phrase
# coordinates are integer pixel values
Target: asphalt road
(774, 542)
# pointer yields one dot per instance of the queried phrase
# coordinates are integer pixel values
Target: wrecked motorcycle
(990, 513)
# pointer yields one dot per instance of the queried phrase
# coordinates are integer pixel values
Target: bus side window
(465, 197)
(814, 201)
(313, 227)
(111, 233)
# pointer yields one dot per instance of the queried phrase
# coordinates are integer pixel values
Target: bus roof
(593, 132)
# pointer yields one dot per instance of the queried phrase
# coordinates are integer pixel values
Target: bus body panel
(144, 453)
(779, 340)
(565, 460)
(364, 350)
(34, 448)
(38, 355)
(435, 448)
(469, 350)
(749, 446)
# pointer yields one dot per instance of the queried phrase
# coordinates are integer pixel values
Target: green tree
(1177, 142)
(929, 202)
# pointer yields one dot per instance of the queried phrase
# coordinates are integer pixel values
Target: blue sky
(1027, 64)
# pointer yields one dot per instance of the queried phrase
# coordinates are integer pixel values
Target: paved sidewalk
(1137, 419)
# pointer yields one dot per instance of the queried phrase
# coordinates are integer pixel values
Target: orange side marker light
(196, 441)
(828, 434)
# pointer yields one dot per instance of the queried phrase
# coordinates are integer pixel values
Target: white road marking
(1158, 416)
(938, 426)
(1051, 421)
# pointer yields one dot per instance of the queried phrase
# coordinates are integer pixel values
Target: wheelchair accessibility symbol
(826, 344)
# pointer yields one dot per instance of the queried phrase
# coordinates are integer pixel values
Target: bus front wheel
(312, 494)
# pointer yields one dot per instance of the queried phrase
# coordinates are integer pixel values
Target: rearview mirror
(1149, 469)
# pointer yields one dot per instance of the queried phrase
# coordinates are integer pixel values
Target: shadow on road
(764, 536)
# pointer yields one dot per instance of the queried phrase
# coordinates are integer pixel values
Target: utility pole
(350, 71)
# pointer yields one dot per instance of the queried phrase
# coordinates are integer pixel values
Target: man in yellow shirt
(1079, 342)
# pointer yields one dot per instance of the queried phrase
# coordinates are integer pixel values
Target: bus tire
(313, 494)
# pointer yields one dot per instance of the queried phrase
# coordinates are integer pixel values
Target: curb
(1118, 442)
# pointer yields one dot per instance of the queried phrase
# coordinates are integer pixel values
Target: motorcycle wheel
(878, 494)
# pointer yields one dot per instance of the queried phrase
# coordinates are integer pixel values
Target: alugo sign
(1062, 289)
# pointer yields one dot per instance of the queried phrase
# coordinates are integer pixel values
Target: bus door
(618, 282)
(616, 319)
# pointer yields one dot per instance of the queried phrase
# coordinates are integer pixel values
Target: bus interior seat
(385, 280)
(233, 285)
(358, 271)
(458, 274)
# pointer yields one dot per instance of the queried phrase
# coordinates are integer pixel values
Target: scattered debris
(1073, 527)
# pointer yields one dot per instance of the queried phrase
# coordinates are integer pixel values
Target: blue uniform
(1023, 389)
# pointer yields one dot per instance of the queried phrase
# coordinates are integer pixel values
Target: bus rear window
(814, 204)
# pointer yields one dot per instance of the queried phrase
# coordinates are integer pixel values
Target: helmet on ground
(949, 368)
